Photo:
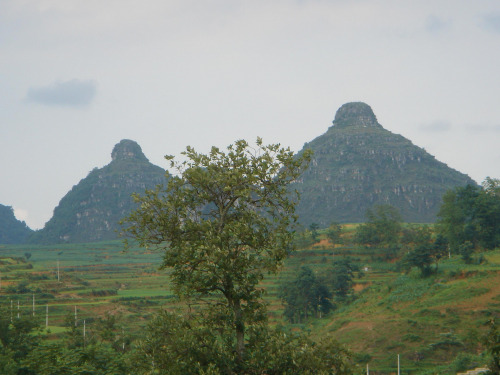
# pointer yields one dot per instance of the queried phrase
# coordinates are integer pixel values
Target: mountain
(92, 209)
(12, 231)
(358, 164)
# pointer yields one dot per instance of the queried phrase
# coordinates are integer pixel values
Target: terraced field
(431, 322)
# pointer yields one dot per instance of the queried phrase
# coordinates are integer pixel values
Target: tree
(488, 214)
(340, 278)
(456, 215)
(491, 186)
(17, 339)
(382, 227)
(415, 235)
(492, 343)
(54, 358)
(334, 232)
(177, 346)
(421, 257)
(305, 296)
(466, 250)
(302, 238)
(314, 231)
(440, 248)
(223, 220)
(110, 333)
(472, 214)
(422, 249)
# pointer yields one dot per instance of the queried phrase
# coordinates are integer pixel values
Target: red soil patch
(324, 242)
(360, 287)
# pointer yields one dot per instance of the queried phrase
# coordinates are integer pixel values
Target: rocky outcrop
(358, 164)
(91, 211)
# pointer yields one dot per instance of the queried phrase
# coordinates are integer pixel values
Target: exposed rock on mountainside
(358, 164)
(93, 208)
(12, 231)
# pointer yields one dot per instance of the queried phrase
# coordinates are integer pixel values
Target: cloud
(73, 93)
(435, 25)
(436, 126)
(491, 22)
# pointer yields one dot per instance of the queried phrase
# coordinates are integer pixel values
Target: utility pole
(367, 369)
(84, 333)
(33, 304)
(11, 311)
(17, 309)
(398, 366)
(58, 280)
(47, 316)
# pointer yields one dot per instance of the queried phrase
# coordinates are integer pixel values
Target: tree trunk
(239, 326)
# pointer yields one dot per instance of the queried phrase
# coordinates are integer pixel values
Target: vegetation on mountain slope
(12, 230)
(93, 208)
(358, 164)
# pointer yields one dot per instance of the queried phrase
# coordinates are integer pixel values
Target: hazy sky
(76, 77)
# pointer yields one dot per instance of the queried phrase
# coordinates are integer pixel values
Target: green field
(427, 321)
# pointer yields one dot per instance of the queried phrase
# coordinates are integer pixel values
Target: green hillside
(436, 324)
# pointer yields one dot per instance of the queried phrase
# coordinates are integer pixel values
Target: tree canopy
(382, 228)
(472, 214)
(306, 295)
(223, 220)
(334, 232)
(340, 278)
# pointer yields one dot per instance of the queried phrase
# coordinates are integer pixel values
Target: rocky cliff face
(358, 164)
(93, 208)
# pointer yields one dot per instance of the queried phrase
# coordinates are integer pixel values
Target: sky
(76, 77)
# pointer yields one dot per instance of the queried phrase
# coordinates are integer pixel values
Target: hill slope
(12, 231)
(93, 208)
(357, 164)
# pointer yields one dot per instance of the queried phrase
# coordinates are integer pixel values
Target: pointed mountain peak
(358, 164)
(92, 209)
(356, 114)
(126, 150)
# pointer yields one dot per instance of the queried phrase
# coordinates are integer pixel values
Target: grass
(392, 312)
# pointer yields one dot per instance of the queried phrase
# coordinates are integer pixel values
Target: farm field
(430, 322)
(95, 279)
